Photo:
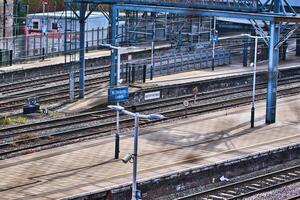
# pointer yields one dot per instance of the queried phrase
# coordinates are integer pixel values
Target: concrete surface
(169, 147)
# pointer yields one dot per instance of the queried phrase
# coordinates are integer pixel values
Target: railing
(173, 62)
(40, 46)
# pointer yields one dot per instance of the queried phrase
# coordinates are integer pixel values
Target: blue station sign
(118, 94)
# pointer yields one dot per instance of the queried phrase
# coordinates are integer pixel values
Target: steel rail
(250, 186)
(26, 144)
(99, 115)
(14, 104)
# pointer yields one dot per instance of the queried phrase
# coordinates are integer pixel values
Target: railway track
(46, 95)
(98, 115)
(294, 197)
(41, 81)
(250, 186)
(24, 138)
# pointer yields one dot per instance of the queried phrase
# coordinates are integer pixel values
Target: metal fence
(173, 62)
(39, 46)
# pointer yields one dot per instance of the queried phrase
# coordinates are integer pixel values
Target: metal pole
(4, 18)
(273, 68)
(254, 83)
(82, 51)
(117, 136)
(152, 60)
(72, 81)
(135, 152)
(272, 74)
(113, 36)
(214, 46)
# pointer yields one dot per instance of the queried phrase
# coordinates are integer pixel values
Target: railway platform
(200, 141)
(99, 96)
(52, 61)
(233, 69)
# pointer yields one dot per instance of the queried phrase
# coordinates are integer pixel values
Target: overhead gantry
(276, 15)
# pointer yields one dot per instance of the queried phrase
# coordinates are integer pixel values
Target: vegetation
(5, 121)
(9, 120)
(25, 136)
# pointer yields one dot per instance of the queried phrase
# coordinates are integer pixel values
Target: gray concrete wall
(182, 89)
(184, 181)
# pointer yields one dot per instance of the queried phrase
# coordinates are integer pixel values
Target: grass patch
(20, 120)
(9, 120)
(5, 121)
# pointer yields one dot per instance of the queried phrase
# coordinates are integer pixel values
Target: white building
(46, 31)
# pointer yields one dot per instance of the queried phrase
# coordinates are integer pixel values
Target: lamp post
(117, 135)
(214, 43)
(254, 83)
(134, 156)
(253, 64)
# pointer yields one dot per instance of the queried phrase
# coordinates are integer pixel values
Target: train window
(54, 26)
(35, 25)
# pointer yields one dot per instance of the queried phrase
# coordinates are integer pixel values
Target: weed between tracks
(9, 120)
(25, 136)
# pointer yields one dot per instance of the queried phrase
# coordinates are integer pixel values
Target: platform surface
(61, 59)
(178, 145)
(235, 68)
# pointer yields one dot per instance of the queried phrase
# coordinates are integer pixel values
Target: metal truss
(284, 7)
(287, 35)
(273, 13)
(233, 5)
(259, 31)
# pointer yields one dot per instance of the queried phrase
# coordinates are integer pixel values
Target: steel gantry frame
(275, 13)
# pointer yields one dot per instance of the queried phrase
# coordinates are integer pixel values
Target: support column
(298, 45)
(82, 50)
(113, 36)
(272, 73)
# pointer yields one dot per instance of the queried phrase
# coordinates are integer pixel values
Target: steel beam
(113, 37)
(212, 13)
(82, 11)
(234, 5)
(273, 67)
(272, 73)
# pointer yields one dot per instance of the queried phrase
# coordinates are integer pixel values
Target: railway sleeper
(256, 185)
(270, 180)
(292, 174)
(252, 188)
(226, 194)
(231, 191)
(278, 178)
(216, 197)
